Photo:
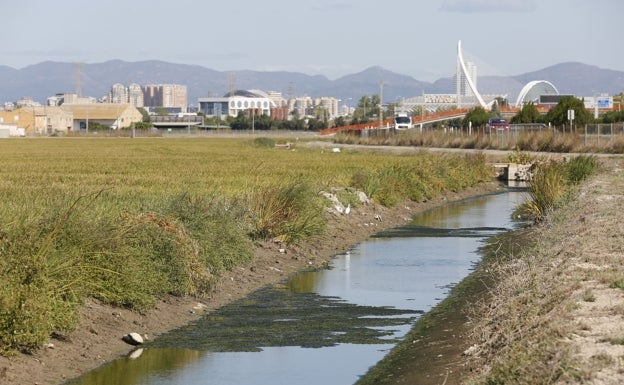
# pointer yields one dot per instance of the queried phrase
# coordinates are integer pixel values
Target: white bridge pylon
(473, 87)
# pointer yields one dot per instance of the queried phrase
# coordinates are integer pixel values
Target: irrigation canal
(330, 326)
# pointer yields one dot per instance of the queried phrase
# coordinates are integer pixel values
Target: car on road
(498, 124)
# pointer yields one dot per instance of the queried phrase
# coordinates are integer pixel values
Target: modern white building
(533, 90)
(252, 101)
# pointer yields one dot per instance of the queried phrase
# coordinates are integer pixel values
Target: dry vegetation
(554, 314)
(543, 141)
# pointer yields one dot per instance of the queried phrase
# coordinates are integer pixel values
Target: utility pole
(380, 105)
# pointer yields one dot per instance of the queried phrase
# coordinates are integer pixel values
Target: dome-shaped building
(532, 91)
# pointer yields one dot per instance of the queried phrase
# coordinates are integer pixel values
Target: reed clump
(552, 182)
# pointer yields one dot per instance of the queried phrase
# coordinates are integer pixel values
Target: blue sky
(328, 37)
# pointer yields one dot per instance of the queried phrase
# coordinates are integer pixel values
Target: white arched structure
(534, 89)
(466, 73)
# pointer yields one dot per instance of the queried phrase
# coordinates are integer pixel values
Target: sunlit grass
(128, 221)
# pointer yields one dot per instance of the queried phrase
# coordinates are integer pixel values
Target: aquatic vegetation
(274, 316)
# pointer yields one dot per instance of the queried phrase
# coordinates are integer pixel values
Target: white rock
(133, 339)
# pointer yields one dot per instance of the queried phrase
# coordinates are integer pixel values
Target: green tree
(316, 124)
(478, 116)
(375, 105)
(340, 121)
(320, 113)
(240, 122)
(367, 108)
(501, 101)
(146, 115)
(495, 110)
(558, 115)
(527, 114)
(613, 117)
(392, 109)
(262, 122)
(365, 102)
(363, 110)
(142, 125)
(291, 125)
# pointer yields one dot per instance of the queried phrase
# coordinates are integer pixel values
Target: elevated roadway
(417, 120)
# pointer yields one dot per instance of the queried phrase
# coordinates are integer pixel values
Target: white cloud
(478, 6)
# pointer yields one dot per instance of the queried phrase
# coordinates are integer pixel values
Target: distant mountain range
(46, 79)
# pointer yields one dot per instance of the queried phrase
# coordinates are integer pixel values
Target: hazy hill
(579, 79)
(45, 79)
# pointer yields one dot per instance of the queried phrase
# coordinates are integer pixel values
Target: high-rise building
(135, 95)
(330, 104)
(461, 82)
(165, 95)
(119, 94)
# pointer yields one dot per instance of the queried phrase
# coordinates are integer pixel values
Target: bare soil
(98, 339)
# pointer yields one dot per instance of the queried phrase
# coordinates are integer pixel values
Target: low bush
(291, 211)
(547, 188)
(580, 167)
(552, 182)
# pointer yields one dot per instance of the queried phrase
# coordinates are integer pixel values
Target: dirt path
(98, 337)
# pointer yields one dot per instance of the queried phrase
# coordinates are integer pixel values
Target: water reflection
(140, 368)
(341, 320)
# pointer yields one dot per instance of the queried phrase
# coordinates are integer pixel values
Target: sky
(327, 37)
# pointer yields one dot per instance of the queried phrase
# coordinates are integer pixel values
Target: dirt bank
(98, 337)
(550, 310)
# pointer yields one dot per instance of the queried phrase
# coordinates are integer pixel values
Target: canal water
(330, 326)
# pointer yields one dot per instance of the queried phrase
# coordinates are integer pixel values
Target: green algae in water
(274, 316)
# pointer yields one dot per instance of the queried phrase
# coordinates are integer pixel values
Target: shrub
(219, 227)
(580, 167)
(520, 157)
(551, 183)
(291, 211)
(42, 272)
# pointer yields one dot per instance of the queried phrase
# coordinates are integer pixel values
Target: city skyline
(325, 37)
